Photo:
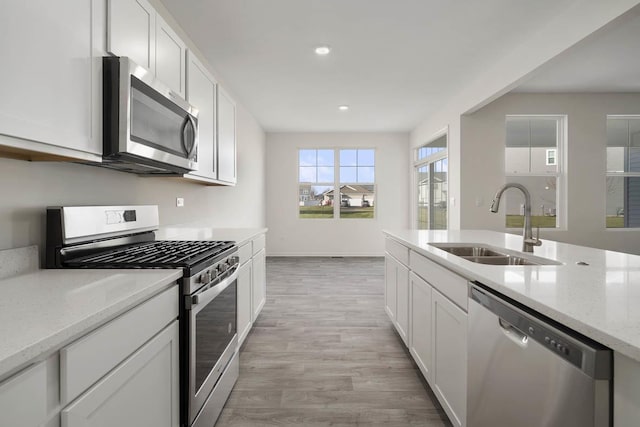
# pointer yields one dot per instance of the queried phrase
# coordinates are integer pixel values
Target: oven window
(215, 328)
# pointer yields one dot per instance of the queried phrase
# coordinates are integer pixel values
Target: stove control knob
(205, 277)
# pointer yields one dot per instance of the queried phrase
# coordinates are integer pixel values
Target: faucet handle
(537, 241)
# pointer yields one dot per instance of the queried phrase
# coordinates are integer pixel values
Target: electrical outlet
(179, 202)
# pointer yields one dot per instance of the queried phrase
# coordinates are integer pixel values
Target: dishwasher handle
(592, 358)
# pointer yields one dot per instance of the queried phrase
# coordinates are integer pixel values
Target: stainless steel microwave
(147, 128)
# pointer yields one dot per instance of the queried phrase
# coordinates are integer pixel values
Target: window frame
(429, 160)
(336, 184)
(625, 174)
(562, 125)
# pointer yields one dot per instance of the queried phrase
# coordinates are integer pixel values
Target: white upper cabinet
(201, 93)
(134, 29)
(171, 52)
(226, 137)
(131, 31)
(46, 79)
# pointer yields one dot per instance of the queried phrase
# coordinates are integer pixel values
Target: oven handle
(205, 297)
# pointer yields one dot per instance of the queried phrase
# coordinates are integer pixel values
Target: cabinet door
(390, 280)
(141, 392)
(450, 357)
(23, 398)
(402, 302)
(420, 330)
(226, 137)
(244, 301)
(131, 31)
(170, 57)
(201, 93)
(46, 76)
(259, 288)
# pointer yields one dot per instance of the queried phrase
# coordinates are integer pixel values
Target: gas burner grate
(156, 254)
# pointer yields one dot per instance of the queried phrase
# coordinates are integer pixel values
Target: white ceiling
(607, 61)
(393, 61)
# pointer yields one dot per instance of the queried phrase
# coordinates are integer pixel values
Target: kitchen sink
(500, 260)
(485, 254)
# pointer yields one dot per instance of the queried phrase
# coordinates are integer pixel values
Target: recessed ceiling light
(323, 50)
(343, 107)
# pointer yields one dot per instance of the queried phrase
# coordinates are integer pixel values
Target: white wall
(482, 164)
(290, 235)
(579, 20)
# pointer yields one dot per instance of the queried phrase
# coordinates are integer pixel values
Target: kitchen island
(593, 292)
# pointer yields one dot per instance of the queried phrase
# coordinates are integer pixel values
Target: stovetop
(157, 254)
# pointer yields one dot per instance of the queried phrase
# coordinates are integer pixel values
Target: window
(354, 179)
(431, 171)
(533, 149)
(623, 172)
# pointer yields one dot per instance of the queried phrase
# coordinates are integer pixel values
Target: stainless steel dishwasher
(525, 371)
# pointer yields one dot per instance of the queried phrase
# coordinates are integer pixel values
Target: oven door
(213, 339)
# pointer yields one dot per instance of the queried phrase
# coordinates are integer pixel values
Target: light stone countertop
(43, 310)
(601, 300)
(202, 231)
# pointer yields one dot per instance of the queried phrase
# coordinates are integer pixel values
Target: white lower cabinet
(244, 300)
(397, 296)
(23, 398)
(142, 391)
(449, 376)
(258, 284)
(390, 280)
(421, 326)
(427, 305)
(252, 285)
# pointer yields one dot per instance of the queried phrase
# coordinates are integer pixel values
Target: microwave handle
(190, 151)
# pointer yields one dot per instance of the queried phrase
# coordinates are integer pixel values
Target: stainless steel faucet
(528, 241)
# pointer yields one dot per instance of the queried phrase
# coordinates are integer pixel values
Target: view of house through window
(623, 172)
(532, 158)
(431, 169)
(353, 181)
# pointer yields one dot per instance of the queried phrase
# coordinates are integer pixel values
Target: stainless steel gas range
(123, 237)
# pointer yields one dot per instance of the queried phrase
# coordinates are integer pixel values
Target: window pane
(423, 198)
(615, 159)
(439, 196)
(316, 201)
(348, 174)
(543, 202)
(366, 158)
(543, 132)
(623, 202)
(308, 174)
(348, 158)
(325, 158)
(517, 133)
(357, 201)
(516, 159)
(307, 157)
(539, 161)
(615, 202)
(325, 174)
(432, 147)
(366, 174)
(617, 133)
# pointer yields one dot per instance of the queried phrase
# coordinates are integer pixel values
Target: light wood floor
(324, 353)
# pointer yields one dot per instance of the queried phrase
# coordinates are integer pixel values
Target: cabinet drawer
(23, 398)
(258, 243)
(399, 252)
(244, 253)
(91, 357)
(449, 284)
